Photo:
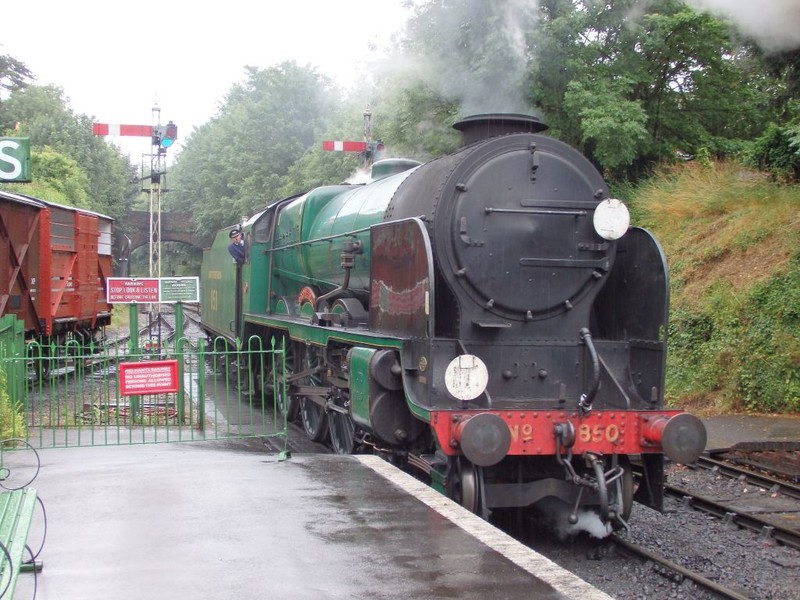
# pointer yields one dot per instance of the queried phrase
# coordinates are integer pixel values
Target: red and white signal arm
(339, 146)
(128, 130)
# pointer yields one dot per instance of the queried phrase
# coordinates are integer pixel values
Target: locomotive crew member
(236, 247)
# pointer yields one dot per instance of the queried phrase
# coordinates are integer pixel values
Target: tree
(458, 57)
(631, 85)
(14, 75)
(58, 179)
(43, 114)
(777, 149)
(236, 163)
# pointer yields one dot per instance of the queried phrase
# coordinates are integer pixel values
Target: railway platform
(221, 520)
(227, 519)
(728, 430)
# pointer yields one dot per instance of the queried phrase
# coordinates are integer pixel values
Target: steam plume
(773, 24)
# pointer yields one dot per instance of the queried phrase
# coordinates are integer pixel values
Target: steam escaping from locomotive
(773, 24)
(480, 56)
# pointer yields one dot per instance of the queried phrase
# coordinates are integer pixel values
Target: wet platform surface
(228, 520)
(725, 431)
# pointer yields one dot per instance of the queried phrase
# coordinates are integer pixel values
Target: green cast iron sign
(180, 289)
(15, 159)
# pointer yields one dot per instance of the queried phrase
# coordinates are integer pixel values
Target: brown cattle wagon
(54, 261)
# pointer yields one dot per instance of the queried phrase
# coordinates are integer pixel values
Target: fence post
(133, 350)
(179, 348)
(201, 385)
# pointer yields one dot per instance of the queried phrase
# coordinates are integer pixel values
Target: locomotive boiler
(487, 319)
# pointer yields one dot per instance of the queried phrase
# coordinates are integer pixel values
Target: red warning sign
(130, 290)
(150, 377)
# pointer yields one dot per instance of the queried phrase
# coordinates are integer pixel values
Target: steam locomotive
(487, 320)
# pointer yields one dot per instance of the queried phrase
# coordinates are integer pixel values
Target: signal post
(161, 137)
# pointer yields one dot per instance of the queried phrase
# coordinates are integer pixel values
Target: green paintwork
(218, 287)
(311, 231)
(16, 513)
(359, 384)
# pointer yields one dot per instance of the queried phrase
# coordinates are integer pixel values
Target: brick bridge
(175, 227)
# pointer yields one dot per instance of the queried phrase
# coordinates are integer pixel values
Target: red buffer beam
(129, 130)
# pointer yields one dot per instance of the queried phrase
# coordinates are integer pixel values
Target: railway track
(758, 501)
(677, 572)
(63, 362)
(727, 532)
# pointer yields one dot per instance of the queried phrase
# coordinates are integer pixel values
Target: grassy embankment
(731, 240)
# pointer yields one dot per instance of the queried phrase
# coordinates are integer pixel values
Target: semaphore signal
(161, 138)
(129, 130)
(370, 151)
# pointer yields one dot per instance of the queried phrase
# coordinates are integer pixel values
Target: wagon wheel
(312, 415)
(286, 403)
(464, 483)
(42, 364)
(342, 431)
(52, 362)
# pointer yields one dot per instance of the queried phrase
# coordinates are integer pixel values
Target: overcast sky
(116, 60)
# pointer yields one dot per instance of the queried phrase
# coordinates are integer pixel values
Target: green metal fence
(74, 395)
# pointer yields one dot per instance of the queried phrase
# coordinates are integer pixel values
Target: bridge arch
(175, 227)
(133, 232)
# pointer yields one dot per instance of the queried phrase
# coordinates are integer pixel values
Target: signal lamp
(169, 134)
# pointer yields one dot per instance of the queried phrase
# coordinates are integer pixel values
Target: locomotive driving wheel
(312, 414)
(342, 429)
(258, 365)
(286, 403)
(464, 483)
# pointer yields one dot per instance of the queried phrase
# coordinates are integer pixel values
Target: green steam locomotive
(488, 320)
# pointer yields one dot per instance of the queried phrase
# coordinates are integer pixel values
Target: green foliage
(744, 348)
(612, 126)
(417, 121)
(58, 179)
(778, 151)
(70, 165)
(12, 421)
(769, 378)
(632, 84)
(237, 163)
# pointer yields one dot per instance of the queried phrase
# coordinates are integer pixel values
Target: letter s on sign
(12, 160)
